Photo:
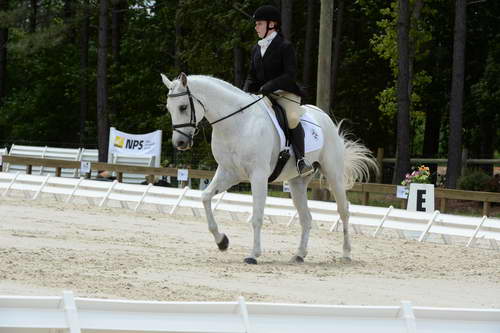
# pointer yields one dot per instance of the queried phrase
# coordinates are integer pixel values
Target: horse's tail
(358, 160)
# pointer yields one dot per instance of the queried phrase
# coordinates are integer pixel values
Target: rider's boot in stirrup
(297, 137)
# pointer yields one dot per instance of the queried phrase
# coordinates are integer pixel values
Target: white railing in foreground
(75, 315)
(405, 223)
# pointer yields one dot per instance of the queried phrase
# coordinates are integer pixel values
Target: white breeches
(291, 104)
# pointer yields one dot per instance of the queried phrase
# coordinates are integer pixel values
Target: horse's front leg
(222, 180)
(258, 183)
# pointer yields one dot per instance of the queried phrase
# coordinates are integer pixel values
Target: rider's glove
(264, 90)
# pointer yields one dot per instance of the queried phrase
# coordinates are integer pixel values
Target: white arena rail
(68, 154)
(30, 314)
(24, 151)
(147, 161)
(473, 231)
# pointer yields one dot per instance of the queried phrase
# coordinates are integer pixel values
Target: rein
(237, 111)
(192, 121)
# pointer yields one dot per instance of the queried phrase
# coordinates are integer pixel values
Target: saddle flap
(281, 117)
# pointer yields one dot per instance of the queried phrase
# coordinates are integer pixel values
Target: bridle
(192, 121)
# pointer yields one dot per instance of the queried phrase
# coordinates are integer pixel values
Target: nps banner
(135, 144)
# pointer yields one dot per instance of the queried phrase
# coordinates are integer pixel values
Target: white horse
(246, 146)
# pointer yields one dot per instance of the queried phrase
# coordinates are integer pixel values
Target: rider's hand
(265, 91)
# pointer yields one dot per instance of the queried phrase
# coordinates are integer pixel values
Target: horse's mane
(218, 81)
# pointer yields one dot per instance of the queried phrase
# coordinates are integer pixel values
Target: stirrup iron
(304, 168)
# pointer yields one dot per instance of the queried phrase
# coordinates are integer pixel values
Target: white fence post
(70, 197)
(142, 197)
(179, 200)
(427, 228)
(408, 316)
(335, 225)
(386, 215)
(290, 221)
(473, 238)
(244, 314)
(103, 201)
(44, 182)
(71, 312)
(10, 184)
(218, 201)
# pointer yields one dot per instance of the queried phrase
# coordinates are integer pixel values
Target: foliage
(385, 45)
(473, 180)
(420, 175)
(43, 74)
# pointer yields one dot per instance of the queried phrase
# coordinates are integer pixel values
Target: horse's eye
(183, 108)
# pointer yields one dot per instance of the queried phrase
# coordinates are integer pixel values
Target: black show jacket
(276, 70)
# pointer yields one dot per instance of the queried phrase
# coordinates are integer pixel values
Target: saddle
(284, 155)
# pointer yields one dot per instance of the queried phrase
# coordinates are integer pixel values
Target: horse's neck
(219, 101)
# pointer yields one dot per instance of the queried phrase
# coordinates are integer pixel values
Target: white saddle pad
(313, 132)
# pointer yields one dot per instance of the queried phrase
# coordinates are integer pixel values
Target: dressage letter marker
(402, 192)
(84, 167)
(182, 174)
(421, 198)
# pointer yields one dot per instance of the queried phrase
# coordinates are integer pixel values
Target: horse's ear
(184, 79)
(166, 81)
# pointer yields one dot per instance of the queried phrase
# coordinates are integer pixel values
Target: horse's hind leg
(220, 183)
(334, 174)
(298, 186)
(258, 182)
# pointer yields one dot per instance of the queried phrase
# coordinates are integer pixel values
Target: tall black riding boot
(297, 139)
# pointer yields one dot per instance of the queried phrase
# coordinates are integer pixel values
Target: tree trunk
(179, 63)
(324, 66)
(336, 49)
(119, 7)
(457, 96)
(403, 130)
(488, 137)
(417, 9)
(325, 56)
(84, 64)
(69, 13)
(286, 18)
(238, 66)
(117, 16)
(306, 74)
(102, 91)
(33, 15)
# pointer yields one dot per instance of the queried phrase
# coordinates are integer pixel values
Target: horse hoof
(346, 260)
(297, 260)
(250, 261)
(223, 244)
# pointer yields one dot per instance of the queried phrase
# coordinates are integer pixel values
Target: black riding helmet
(267, 13)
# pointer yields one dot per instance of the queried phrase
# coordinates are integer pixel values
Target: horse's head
(185, 109)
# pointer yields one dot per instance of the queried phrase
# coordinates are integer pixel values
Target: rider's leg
(291, 104)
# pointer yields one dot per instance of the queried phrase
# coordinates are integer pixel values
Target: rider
(273, 68)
